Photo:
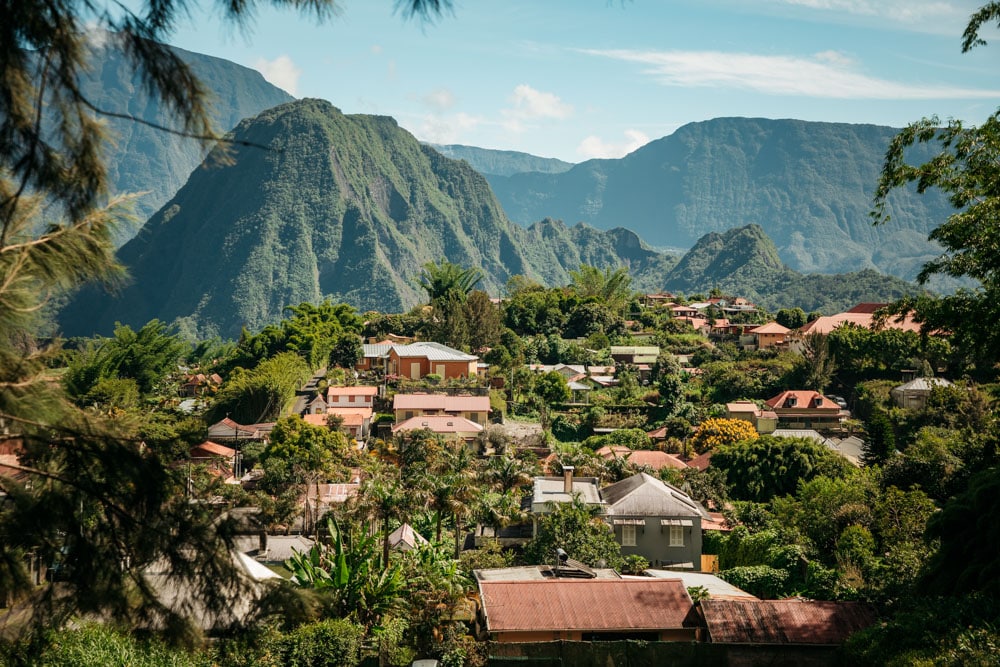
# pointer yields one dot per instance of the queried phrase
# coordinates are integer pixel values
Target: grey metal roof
(551, 490)
(645, 495)
(715, 586)
(433, 352)
(922, 384)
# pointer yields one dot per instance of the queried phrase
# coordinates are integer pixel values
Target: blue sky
(577, 79)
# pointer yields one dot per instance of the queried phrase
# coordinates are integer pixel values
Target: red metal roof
(585, 605)
(441, 402)
(804, 401)
(784, 621)
(212, 449)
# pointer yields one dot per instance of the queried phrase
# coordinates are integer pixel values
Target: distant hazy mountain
(345, 207)
(491, 162)
(745, 262)
(808, 185)
(144, 159)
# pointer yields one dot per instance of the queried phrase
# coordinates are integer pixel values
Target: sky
(581, 79)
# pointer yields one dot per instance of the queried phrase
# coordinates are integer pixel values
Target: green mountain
(808, 185)
(144, 159)
(491, 162)
(345, 207)
(745, 261)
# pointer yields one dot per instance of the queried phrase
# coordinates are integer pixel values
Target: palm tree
(385, 500)
(444, 279)
(506, 473)
(613, 288)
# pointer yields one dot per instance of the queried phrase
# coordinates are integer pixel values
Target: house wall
(477, 417)
(406, 366)
(351, 401)
(652, 542)
(530, 636)
(769, 340)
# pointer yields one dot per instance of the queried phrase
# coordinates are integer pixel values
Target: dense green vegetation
(502, 163)
(343, 207)
(145, 159)
(809, 185)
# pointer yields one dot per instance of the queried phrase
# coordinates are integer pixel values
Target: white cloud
(282, 72)
(530, 104)
(595, 147)
(439, 99)
(449, 129)
(821, 76)
(376, 49)
(900, 11)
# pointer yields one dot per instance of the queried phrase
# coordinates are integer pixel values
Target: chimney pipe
(568, 479)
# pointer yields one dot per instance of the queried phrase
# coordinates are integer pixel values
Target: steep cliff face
(808, 185)
(143, 159)
(335, 206)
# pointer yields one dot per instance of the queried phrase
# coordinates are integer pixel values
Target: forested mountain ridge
(335, 206)
(490, 162)
(808, 185)
(745, 261)
(140, 158)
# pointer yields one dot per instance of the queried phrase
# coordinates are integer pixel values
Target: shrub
(715, 432)
(332, 643)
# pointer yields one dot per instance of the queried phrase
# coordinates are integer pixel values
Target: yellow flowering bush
(715, 432)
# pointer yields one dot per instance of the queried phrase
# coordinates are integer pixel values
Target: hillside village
(343, 400)
(469, 472)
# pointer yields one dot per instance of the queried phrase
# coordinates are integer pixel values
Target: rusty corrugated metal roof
(585, 605)
(784, 621)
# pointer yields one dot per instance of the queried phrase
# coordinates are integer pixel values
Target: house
(806, 409)
(273, 549)
(914, 393)
(654, 459)
(199, 383)
(784, 622)
(448, 426)
(420, 359)
(548, 491)
(655, 520)
(684, 311)
(635, 354)
(184, 595)
(317, 406)
(218, 457)
(767, 335)
(473, 408)
(361, 396)
(405, 538)
(659, 299)
(718, 589)
(764, 421)
(373, 356)
(354, 422)
(324, 497)
(850, 448)
(862, 315)
(227, 430)
(587, 610)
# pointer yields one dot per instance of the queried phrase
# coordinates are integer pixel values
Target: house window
(628, 536)
(676, 536)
